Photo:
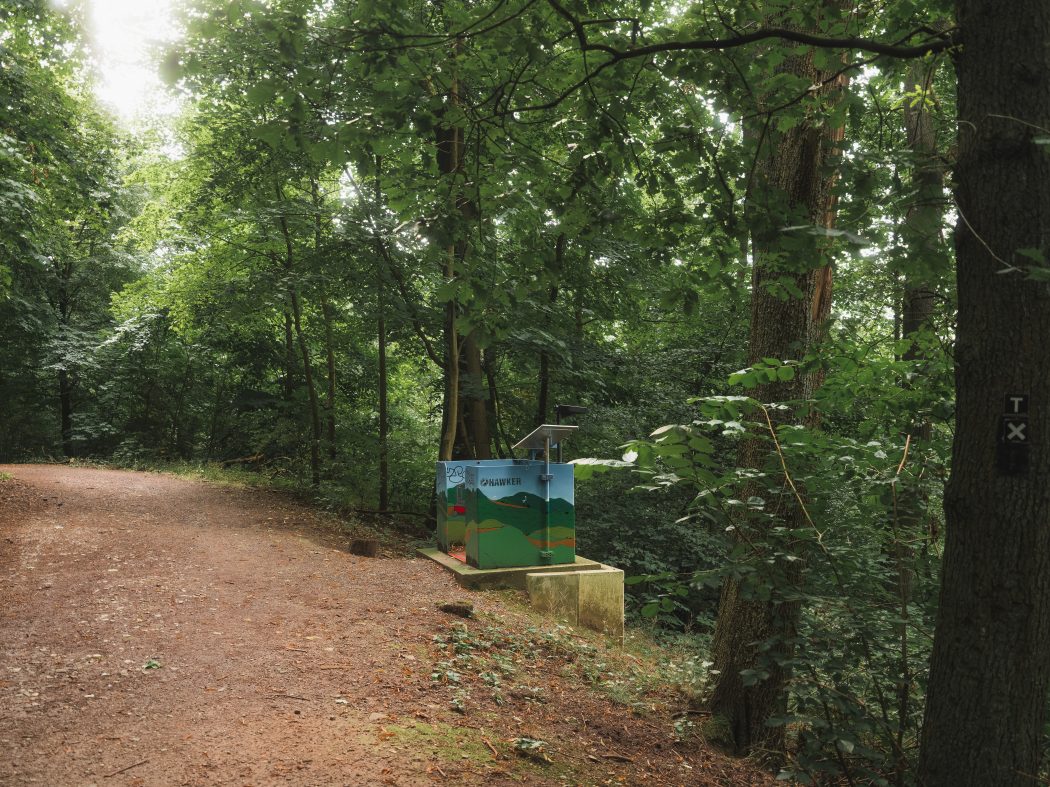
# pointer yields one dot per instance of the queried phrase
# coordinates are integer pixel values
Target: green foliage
(596, 242)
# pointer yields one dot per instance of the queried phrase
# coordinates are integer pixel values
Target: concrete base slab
(489, 578)
(585, 593)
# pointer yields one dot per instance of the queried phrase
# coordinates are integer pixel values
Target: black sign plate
(1015, 430)
(1016, 404)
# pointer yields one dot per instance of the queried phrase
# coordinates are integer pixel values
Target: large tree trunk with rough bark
(990, 666)
(465, 431)
(793, 186)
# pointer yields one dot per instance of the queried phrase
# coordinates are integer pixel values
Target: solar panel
(537, 439)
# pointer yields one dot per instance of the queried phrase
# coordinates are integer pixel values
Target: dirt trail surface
(156, 630)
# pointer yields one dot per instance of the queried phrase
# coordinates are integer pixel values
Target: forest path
(156, 630)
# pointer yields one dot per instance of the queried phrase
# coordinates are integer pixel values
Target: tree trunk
(326, 313)
(329, 348)
(65, 379)
(465, 432)
(990, 665)
(477, 401)
(315, 408)
(543, 396)
(921, 231)
(65, 403)
(504, 445)
(304, 349)
(450, 150)
(383, 267)
(921, 236)
(542, 401)
(450, 416)
(289, 357)
(792, 187)
(384, 419)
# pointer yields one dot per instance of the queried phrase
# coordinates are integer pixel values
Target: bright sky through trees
(124, 37)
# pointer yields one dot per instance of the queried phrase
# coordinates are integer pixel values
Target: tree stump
(366, 547)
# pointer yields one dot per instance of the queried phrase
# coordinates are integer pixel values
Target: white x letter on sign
(1015, 432)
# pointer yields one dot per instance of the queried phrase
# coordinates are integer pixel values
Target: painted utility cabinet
(451, 502)
(508, 519)
(451, 505)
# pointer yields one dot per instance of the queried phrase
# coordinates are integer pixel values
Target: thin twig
(125, 768)
(907, 443)
(1009, 268)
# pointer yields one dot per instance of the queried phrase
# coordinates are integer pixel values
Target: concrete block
(557, 595)
(592, 598)
(600, 605)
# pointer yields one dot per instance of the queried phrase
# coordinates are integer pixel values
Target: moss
(716, 731)
(445, 741)
(453, 744)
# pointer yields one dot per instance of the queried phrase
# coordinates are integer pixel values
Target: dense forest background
(379, 234)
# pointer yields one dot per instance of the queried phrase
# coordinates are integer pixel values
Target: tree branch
(939, 42)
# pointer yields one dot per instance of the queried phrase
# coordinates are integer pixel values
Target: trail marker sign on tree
(1014, 436)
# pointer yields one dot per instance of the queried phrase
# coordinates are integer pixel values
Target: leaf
(261, 92)
(1033, 254)
(828, 232)
(586, 468)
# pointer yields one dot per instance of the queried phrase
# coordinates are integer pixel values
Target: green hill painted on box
(509, 531)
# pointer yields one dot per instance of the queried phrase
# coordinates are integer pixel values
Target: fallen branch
(125, 768)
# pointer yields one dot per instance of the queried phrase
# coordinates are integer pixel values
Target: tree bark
(304, 349)
(465, 432)
(329, 348)
(66, 381)
(289, 357)
(990, 666)
(450, 150)
(315, 409)
(543, 396)
(326, 313)
(504, 445)
(450, 416)
(921, 235)
(384, 418)
(477, 401)
(792, 186)
(65, 403)
(921, 230)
